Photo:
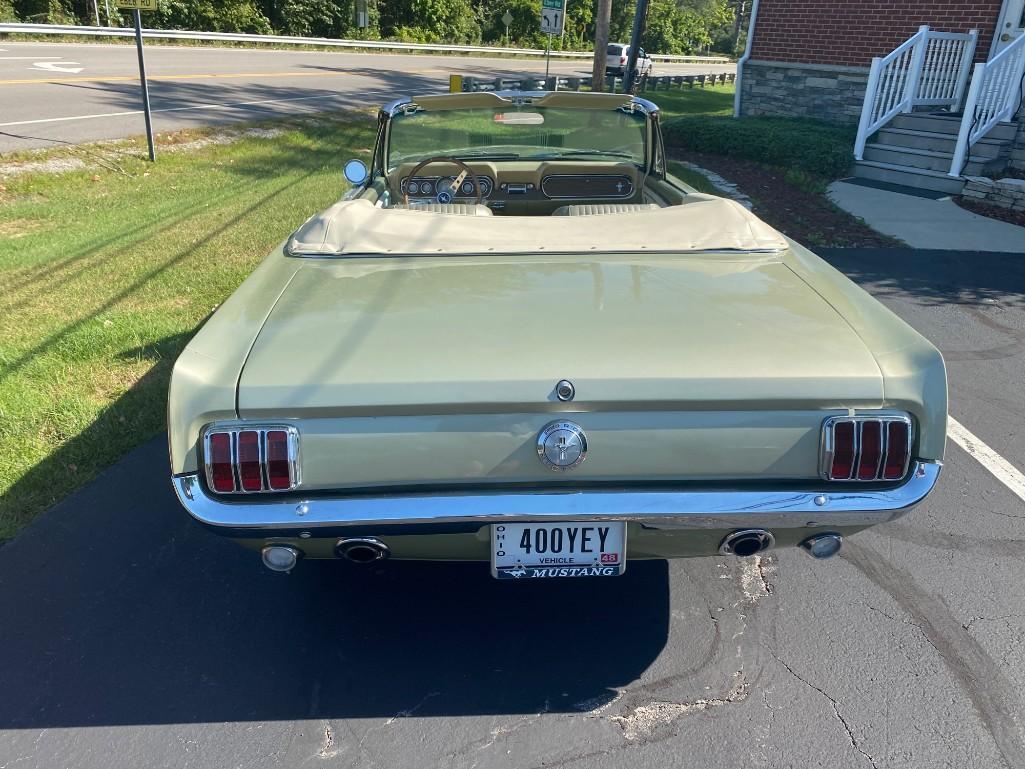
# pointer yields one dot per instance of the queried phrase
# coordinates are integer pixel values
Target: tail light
(251, 459)
(866, 448)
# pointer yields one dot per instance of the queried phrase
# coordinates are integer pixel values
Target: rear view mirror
(520, 118)
(355, 171)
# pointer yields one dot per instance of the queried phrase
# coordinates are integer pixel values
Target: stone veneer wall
(1006, 193)
(1018, 150)
(820, 91)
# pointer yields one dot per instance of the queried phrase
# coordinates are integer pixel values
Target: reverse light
(252, 459)
(279, 472)
(866, 448)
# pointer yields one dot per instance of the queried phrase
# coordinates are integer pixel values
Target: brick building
(813, 58)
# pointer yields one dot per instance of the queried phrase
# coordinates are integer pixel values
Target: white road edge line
(179, 109)
(1003, 471)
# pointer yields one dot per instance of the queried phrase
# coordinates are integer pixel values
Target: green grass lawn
(106, 274)
(712, 101)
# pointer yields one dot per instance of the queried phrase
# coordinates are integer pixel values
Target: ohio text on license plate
(567, 549)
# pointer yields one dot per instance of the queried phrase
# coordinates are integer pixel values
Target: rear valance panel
(502, 448)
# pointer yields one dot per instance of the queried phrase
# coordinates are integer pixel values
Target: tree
(452, 21)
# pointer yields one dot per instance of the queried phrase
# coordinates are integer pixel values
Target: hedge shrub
(818, 148)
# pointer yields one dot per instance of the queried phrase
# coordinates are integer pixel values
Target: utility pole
(630, 76)
(601, 44)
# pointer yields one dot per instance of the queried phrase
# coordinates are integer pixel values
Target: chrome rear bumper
(656, 509)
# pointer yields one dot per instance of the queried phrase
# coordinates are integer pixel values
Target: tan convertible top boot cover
(358, 228)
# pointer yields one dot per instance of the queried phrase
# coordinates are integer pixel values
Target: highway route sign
(553, 16)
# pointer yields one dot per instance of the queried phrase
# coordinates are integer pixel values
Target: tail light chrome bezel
(233, 431)
(828, 446)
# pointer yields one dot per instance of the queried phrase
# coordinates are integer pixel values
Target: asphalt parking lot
(132, 638)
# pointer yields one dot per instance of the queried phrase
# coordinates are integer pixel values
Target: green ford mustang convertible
(518, 340)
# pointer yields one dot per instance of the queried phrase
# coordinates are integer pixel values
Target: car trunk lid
(455, 335)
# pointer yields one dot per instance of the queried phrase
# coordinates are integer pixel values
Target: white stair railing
(993, 97)
(928, 69)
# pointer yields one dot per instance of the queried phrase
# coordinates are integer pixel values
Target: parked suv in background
(618, 54)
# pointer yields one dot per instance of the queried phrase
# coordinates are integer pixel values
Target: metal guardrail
(231, 37)
(613, 83)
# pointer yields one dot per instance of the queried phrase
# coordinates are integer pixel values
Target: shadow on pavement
(935, 277)
(118, 609)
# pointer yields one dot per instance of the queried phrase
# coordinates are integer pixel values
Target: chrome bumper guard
(671, 509)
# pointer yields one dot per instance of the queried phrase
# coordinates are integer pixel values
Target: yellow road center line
(204, 76)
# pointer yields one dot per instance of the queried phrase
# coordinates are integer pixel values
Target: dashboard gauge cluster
(428, 187)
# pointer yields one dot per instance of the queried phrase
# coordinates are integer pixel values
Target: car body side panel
(914, 375)
(204, 381)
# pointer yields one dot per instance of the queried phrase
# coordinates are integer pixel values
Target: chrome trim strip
(830, 507)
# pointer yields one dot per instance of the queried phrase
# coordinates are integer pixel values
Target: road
(62, 92)
(132, 638)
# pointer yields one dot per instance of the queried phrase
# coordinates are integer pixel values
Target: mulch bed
(993, 212)
(806, 216)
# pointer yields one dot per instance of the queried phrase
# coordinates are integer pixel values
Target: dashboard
(522, 185)
(426, 187)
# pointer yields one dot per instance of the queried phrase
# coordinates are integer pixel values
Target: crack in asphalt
(833, 702)
(327, 748)
(980, 678)
(361, 746)
(752, 578)
(643, 720)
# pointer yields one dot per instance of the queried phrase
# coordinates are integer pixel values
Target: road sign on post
(553, 21)
(362, 14)
(135, 6)
(507, 19)
(553, 16)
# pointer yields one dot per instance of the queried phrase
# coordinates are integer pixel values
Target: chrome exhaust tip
(822, 546)
(747, 542)
(362, 549)
(282, 558)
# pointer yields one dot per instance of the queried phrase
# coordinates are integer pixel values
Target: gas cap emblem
(561, 445)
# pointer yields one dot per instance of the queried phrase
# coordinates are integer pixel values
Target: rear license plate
(567, 549)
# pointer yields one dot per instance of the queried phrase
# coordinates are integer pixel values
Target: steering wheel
(450, 194)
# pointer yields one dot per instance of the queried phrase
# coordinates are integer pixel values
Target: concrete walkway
(924, 223)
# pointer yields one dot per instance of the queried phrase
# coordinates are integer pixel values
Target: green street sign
(552, 4)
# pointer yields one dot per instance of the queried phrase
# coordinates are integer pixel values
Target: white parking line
(180, 109)
(1004, 471)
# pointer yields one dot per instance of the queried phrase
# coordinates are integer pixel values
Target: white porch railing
(992, 98)
(929, 69)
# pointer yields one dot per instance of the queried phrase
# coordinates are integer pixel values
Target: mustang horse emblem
(561, 445)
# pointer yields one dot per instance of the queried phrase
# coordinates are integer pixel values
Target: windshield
(517, 133)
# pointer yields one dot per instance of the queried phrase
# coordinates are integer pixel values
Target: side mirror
(356, 171)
